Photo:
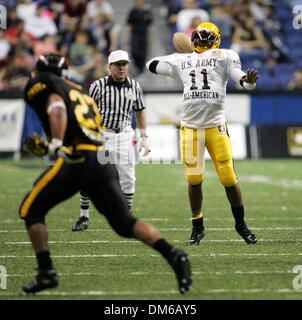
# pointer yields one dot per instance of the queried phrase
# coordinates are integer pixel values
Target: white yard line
(142, 273)
(285, 183)
(163, 229)
(262, 179)
(157, 255)
(207, 218)
(76, 256)
(143, 293)
(136, 241)
(258, 179)
(94, 293)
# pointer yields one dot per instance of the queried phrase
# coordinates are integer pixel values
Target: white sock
(85, 213)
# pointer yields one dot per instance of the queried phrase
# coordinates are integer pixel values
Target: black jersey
(83, 117)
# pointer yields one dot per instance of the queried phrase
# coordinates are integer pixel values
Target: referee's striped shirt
(116, 101)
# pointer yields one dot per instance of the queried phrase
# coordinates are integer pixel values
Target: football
(182, 42)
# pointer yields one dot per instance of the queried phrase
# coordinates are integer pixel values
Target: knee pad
(194, 179)
(226, 174)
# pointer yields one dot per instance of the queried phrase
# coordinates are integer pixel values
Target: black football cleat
(196, 236)
(246, 233)
(81, 224)
(46, 279)
(180, 262)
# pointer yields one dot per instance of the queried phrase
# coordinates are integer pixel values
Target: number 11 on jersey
(205, 80)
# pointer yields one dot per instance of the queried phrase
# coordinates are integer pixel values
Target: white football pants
(122, 154)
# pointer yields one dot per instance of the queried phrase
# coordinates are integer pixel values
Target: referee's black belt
(119, 130)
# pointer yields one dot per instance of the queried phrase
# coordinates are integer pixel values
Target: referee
(116, 96)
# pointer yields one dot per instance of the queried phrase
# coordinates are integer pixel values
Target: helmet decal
(53, 63)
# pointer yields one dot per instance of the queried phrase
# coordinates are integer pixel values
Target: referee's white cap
(118, 55)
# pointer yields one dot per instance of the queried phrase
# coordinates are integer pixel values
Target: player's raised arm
(158, 65)
(246, 80)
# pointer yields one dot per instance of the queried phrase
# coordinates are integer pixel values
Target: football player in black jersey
(72, 124)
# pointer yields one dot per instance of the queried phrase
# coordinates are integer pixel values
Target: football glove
(36, 145)
(70, 155)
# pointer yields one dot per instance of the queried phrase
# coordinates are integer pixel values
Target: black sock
(198, 223)
(163, 247)
(238, 213)
(44, 260)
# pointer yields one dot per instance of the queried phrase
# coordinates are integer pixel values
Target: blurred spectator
(8, 4)
(196, 21)
(17, 70)
(91, 66)
(266, 18)
(56, 8)
(257, 10)
(79, 48)
(239, 11)
(12, 17)
(65, 39)
(45, 45)
(74, 11)
(40, 25)
(139, 26)
(275, 54)
(98, 70)
(4, 47)
(17, 32)
(105, 33)
(248, 38)
(12, 33)
(222, 21)
(26, 9)
(296, 82)
(173, 7)
(95, 7)
(190, 9)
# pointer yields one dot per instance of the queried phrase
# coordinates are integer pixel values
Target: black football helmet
(53, 63)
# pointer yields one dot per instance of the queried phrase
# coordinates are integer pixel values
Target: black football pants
(62, 180)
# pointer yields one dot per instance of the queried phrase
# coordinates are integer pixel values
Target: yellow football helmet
(205, 37)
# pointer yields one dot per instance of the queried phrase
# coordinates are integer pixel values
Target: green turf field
(98, 264)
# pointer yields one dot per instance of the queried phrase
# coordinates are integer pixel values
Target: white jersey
(204, 77)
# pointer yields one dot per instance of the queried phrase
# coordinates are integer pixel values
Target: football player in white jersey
(204, 74)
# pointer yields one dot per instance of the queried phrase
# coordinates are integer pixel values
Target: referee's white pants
(122, 154)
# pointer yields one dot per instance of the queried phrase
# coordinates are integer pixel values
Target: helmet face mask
(53, 63)
(205, 37)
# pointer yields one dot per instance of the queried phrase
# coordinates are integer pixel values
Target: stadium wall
(261, 125)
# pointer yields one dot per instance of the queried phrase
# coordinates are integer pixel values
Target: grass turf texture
(98, 264)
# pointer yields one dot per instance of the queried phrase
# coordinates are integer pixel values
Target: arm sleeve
(94, 91)
(233, 66)
(139, 103)
(235, 72)
(162, 66)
